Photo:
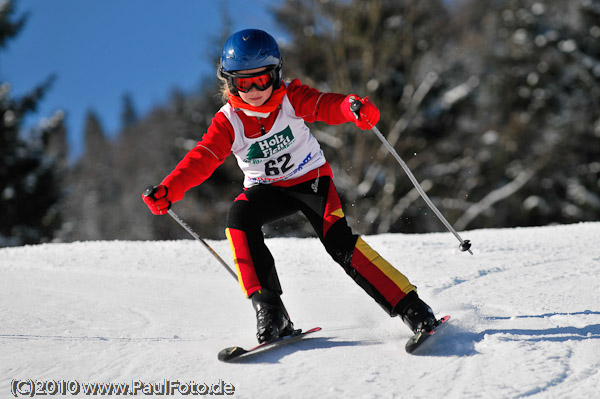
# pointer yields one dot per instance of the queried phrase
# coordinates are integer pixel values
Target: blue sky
(102, 49)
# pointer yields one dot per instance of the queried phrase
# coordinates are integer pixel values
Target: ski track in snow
(525, 317)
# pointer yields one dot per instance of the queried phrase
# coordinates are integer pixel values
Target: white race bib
(288, 151)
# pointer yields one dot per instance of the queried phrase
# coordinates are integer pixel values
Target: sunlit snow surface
(525, 317)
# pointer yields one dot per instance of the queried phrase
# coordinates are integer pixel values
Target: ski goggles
(262, 80)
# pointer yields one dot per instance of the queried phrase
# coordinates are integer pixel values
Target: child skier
(285, 171)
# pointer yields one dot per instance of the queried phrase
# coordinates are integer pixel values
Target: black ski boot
(272, 320)
(416, 314)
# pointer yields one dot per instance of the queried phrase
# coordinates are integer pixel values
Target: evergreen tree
(29, 176)
(536, 111)
(91, 185)
(493, 105)
(129, 114)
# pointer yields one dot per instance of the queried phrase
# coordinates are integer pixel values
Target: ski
(237, 353)
(416, 341)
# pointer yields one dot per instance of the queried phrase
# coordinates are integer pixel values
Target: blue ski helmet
(250, 49)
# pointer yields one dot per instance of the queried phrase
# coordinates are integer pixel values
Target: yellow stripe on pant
(384, 277)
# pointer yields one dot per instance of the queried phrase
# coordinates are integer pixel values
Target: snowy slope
(525, 307)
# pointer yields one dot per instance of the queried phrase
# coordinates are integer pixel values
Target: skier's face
(256, 97)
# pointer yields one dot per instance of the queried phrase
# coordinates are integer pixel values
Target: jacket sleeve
(312, 105)
(201, 161)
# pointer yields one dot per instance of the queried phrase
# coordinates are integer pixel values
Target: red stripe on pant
(243, 261)
(333, 209)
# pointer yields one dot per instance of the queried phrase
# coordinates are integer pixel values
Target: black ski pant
(319, 202)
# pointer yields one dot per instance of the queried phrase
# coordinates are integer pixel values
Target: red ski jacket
(215, 145)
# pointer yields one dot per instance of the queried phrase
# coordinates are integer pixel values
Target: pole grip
(149, 191)
(355, 106)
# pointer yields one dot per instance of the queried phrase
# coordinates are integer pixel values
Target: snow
(525, 317)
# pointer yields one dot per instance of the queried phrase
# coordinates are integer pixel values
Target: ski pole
(465, 245)
(150, 192)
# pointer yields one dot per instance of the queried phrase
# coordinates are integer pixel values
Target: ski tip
(234, 353)
(231, 353)
(413, 343)
(417, 340)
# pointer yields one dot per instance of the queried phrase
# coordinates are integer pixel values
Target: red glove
(156, 199)
(368, 114)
